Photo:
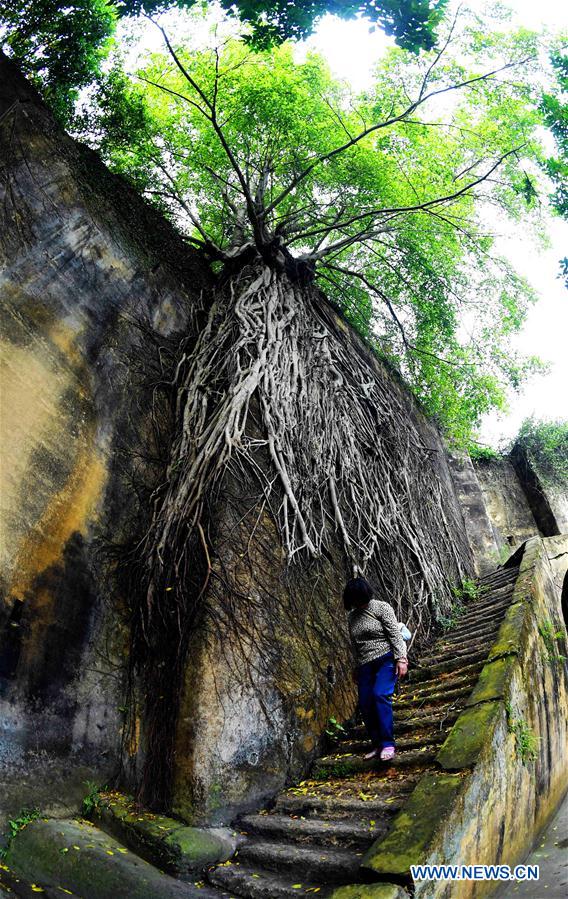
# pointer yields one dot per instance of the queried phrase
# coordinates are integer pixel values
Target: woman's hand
(401, 667)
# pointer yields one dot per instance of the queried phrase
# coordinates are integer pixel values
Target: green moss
(468, 736)
(493, 680)
(512, 631)
(370, 891)
(415, 826)
(160, 839)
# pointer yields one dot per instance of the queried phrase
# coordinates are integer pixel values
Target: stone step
(481, 630)
(316, 864)
(163, 841)
(248, 882)
(483, 609)
(465, 626)
(431, 738)
(75, 855)
(340, 807)
(433, 697)
(345, 765)
(465, 646)
(421, 675)
(344, 834)
(417, 691)
(500, 574)
(468, 655)
(442, 711)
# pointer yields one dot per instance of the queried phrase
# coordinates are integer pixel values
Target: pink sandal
(372, 755)
(388, 753)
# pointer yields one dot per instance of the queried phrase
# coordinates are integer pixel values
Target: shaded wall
(79, 269)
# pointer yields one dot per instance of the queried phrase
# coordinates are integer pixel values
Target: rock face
(80, 270)
(92, 281)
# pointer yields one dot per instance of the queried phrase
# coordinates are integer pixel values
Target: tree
(290, 185)
(380, 202)
(61, 45)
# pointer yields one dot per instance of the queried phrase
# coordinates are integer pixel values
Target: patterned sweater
(374, 631)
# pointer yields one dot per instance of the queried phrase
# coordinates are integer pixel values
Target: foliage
(550, 637)
(92, 799)
(61, 45)
(546, 446)
(554, 107)
(25, 817)
(483, 453)
(468, 591)
(526, 741)
(334, 729)
(411, 22)
(382, 195)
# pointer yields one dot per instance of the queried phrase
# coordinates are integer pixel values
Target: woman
(380, 655)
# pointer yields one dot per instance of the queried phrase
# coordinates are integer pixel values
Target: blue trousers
(376, 681)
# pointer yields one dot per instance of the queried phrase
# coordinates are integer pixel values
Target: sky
(351, 51)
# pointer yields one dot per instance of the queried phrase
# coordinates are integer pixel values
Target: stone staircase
(315, 834)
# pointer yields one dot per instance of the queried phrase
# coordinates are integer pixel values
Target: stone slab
(493, 681)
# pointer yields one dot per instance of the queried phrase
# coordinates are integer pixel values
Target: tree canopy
(61, 45)
(546, 445)
(385, 196)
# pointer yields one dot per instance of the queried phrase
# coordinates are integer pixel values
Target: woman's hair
(357, 592)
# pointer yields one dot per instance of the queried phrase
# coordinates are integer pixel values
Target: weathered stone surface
(481, 533)
(493, 681)
(370, 891)
(176, 848)
(468, 736)
(82, 260)
(548, 501)
(511, 631)
(78, 857)
(506, 504)
(414, 828)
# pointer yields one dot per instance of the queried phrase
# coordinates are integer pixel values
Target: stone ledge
(469, 735)
(414, 828)
(513, 627)
(493, 681)
(76, 856)
(179, 849)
